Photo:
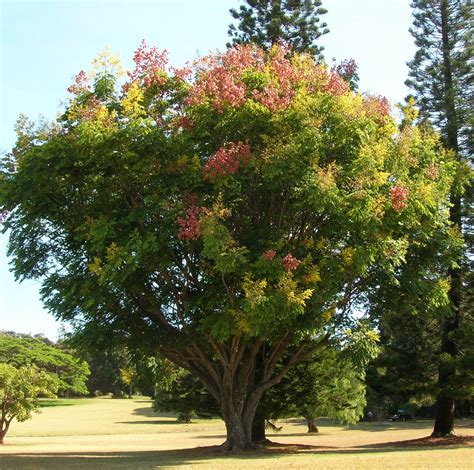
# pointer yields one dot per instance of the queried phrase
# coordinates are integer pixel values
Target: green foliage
(19, 391)
(441, 71)
(329, 383)
(267, 22)
(200, 223)
(179, 392)
(22, 350)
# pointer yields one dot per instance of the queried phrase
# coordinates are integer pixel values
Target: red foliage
(81, 83)
(290, 263)
(269, 255)
(226, 160)
(432, 172)
(190, 228)
(222, 83)
(150, 65)
(399, 196)
(377, 105)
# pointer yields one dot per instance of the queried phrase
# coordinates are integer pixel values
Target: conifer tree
(267, 22)
(442, 80)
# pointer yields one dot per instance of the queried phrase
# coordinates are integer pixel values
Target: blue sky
(44, 44)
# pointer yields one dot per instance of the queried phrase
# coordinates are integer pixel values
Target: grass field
(126, 434)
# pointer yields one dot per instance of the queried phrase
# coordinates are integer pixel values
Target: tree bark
(239, 436)
(312, 428)
(258, 428)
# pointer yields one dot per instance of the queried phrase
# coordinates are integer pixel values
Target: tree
(325, 385)
(22, 350)
(441, 77)
(268, 22)
(202, 218)
(19, 391)
(185, 395)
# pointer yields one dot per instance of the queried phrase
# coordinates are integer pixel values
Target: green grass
(104, 433)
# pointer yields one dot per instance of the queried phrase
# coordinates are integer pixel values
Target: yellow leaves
(106, 62)
(322, 244)
(326, 177)
(351, 106)
(300, 298)
(288, 287)
(254, 290)
(328, 314)
(96, 266)
(132, 103)
(241, 320)
(347, 255)
(111, 252)
(312, 276)
(410, 113)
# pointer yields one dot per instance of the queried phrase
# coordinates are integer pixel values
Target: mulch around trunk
(277, 448)
(430, 442)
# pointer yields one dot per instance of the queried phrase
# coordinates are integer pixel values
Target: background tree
(22, 350)
(204, 218)
(268, 22)
(327, 385)
(185, 395)
(442, 79)
(19, 391)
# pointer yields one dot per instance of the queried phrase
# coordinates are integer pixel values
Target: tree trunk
(4, 425)
(258, 428)
(238, 435)
(444, 423)
(312, 428)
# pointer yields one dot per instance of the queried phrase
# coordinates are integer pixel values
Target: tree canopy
(203, 213)
(22, 350)
(19, 391)
(269, 22)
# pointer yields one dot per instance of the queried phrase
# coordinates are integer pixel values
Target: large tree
(268, 22)
(205, 215)
(441, 75)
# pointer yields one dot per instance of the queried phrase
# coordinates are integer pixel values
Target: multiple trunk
(237, 374)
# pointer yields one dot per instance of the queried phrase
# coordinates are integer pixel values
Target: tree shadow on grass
(203, 455)
(148, 412)
(154, 421)
(54, 403)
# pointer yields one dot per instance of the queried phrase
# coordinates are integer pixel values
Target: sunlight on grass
(126, 434)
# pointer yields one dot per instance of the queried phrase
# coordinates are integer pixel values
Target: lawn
(126, 434)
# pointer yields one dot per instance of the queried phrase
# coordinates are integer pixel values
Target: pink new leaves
(226, 160)
(289, 262)
(399, 197)
(150, 65)
(222, 80)
(81, 84)
(190, 228)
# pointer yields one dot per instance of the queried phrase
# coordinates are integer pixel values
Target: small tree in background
(269, 22)
(19, 391)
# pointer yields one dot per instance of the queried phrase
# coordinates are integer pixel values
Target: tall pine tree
(441, 76)
(267, 22)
